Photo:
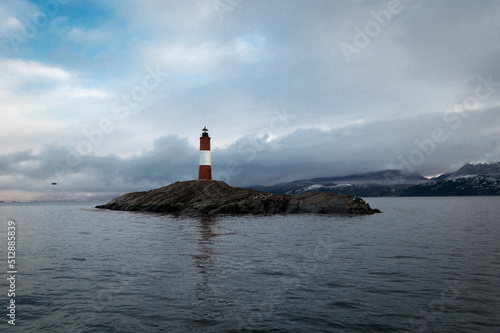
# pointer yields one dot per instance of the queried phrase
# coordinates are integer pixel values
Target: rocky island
(216, 197)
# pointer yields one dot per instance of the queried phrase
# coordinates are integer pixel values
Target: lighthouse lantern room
(205, 159)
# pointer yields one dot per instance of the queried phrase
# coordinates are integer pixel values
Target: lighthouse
(205, 159)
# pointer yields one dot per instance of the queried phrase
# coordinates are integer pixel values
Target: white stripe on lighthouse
(205, 158)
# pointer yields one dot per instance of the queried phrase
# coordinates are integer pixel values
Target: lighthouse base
(205, 172)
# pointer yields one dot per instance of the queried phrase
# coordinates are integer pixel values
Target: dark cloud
(430, 144)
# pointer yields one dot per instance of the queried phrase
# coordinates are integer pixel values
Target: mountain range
(469, 180)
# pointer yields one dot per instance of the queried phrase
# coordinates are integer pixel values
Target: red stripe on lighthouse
(205, 158)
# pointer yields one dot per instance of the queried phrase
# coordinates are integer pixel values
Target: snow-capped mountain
(380, 183)
(483, 169)
(471, 179)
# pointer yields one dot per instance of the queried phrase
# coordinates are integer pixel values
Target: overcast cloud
(105, 97)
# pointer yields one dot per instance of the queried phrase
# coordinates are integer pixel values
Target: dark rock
(217, 197)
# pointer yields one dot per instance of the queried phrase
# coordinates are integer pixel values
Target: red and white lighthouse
(205, 159)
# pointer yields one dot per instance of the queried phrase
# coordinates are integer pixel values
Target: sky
(110, 96)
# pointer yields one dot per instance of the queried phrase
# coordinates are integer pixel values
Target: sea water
(423, 265)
